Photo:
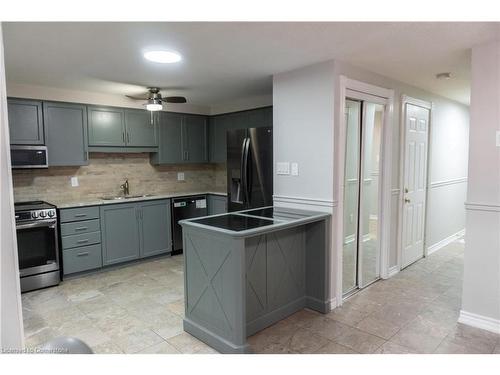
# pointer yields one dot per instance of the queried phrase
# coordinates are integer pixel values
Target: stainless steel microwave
(28, 157)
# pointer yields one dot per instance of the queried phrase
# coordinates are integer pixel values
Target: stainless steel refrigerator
(249, 168)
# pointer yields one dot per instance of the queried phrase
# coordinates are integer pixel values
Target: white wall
(303, 131)
(11, 324)
(481, 288)
(306, 103)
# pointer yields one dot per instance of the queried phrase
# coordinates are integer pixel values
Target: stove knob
(51, 213)
(34, 214)
(43, 214)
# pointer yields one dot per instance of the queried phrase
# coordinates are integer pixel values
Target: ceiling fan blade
(174, 99)
(144, 97)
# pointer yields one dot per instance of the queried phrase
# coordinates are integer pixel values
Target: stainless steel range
(37, 244)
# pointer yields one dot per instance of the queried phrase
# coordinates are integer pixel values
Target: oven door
(37, 247)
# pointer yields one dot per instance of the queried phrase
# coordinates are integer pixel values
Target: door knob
(407, 200)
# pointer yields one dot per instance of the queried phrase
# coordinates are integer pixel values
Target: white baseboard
(439, 245)
(392, 271)
(333, 303)
(479, 321)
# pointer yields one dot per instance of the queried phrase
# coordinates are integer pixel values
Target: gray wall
(306, 104)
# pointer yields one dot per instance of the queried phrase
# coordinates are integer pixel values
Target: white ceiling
(227, 61)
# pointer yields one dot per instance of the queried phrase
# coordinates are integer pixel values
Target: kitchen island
(246, 270)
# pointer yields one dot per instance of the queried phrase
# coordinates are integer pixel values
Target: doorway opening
(361, 251)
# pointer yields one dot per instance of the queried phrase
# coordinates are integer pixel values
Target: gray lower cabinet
(182, 139)
(66, 133)
(217, 204)
(81, 259)
(135, 230)
(120, 233)
(220, 124)
(25, 122)
(155, 228)
(80, 239)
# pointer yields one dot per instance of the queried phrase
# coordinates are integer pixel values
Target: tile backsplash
(106, 172)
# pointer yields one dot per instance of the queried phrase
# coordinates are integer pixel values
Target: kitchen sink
(122, 197)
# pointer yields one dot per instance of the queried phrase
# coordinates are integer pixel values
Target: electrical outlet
(498, 138)
(295, 169)
(283, 168)
(180, 176)
(74, 181)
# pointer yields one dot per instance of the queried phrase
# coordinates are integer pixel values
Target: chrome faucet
(125, 187)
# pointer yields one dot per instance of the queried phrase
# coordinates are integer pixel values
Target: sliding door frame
(354, 89)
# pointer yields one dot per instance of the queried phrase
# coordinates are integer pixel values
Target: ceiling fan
(154, 100)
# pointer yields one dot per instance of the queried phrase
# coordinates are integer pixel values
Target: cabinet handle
(123, 137)
(80, 215)
(81, 228)
(128, 137)
(82, 254)
(82, 241)
(186, 155)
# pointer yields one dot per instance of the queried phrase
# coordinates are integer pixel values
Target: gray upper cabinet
(169, 140)
(220, 124)
(182, 139)
(155, 227)
(121, 130)
(120, 233)
(140, 130)
(106, 126)
(194, 139)
(66, 133)
(25, 122)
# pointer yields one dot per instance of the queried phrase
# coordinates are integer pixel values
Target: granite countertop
(248, 223)
(98, 202)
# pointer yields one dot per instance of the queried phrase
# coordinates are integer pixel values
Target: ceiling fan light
(154, 105)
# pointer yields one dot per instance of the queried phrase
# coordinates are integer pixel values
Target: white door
(415, 182)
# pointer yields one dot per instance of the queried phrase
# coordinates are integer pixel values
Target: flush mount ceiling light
(445, 75)
(163, 56)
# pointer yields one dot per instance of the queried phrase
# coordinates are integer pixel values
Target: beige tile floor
(139, 309)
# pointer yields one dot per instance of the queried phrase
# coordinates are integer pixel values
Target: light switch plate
(295, 169)
(283, 168)
(498, 138)
(74, 181)
(180, 176)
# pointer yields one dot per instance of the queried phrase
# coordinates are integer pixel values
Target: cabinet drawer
(81, 213)
(81, 240)
(82, 259)
(80, 227)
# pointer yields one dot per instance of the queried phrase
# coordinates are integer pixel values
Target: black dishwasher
(185, 208)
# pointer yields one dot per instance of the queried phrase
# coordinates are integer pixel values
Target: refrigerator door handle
(248, 171)
(245, 170)
(242, 170)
